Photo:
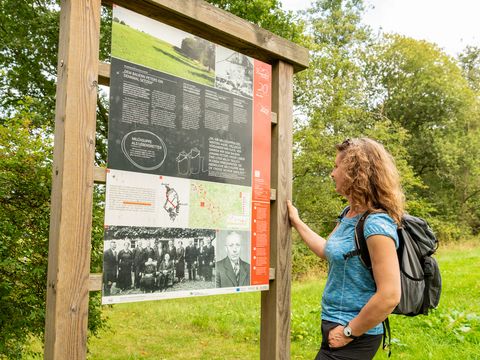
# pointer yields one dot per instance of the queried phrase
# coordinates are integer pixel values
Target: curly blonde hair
(372, 181)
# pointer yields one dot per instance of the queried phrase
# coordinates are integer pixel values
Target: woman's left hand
(336, 338)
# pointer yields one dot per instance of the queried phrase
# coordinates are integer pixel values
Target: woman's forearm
(373, 313)
(314, 241)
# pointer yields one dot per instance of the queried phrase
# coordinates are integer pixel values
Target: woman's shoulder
(380, 217)
(380, 224)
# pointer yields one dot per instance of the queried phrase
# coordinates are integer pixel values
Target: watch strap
(351, 336)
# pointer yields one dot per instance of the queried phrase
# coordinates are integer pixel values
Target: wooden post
(275, 322)
(73, 172)
(72, 188)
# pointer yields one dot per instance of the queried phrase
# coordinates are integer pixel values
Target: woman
(354, 304)
(180, 265)
(125, 267)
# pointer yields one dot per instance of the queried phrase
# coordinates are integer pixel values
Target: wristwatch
(347, 331)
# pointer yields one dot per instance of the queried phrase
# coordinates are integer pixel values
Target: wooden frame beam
(72, 183)
(275, 321)
(100, 177)
(202, 19)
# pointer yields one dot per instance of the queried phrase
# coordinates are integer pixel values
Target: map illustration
(219, 206)
(172, 202)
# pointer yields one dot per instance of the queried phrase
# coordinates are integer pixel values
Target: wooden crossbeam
(221, 27)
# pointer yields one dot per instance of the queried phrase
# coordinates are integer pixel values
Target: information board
(188, 181)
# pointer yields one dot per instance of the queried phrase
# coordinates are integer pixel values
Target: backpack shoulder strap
(343, 213)
(361, 248)
(361, 242)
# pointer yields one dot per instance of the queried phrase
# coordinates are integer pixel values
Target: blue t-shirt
(350, 284)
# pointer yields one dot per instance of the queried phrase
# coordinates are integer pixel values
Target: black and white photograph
(143, 260)
(233, 268)
(233, 72)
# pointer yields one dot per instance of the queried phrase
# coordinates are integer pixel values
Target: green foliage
(29, 38)
(326, 93)
(424, 91)
(405, 93)
(200, 50)
(25, 186)
(25, 172)
(305, 264)
(267, 14)
(333, 94)
(28, 59)
(469, 62)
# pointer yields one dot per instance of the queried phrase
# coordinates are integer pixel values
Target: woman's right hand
(293, 214)
(314, 241)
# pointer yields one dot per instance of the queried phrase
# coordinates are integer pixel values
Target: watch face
(347, 331)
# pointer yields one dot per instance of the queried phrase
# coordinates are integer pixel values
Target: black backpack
(419, 272)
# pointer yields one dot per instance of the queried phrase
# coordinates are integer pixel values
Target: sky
(452, 25)
(150, 26)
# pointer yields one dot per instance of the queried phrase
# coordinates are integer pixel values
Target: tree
(29, 38)
(424, 91)
(469, 61)
(28, 59)
(24, 219)
(333, 100)
(25, 186)
(333, 95)
(199, 49)
(267, 14)
(325, 96)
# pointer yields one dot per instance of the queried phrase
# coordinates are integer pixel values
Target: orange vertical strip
(261, 154)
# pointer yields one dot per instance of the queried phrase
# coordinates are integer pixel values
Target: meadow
(228, 326)
(141, 48)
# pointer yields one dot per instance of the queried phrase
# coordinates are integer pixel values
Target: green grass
(141, 48)
(196, 328)
(228, 326)
(453, 330)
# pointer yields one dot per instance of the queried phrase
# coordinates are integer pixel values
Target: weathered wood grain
(202, 19)
(104, 73)
(100, 177)
(72, 187)
(275, 321)
(95, 282)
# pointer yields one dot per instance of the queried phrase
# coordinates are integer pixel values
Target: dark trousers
(192, 272)
(208, 273)
(137, 277)
(363, 348)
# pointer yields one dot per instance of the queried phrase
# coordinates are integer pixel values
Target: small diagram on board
(144, 149)
(191, 162)
(172, 202)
